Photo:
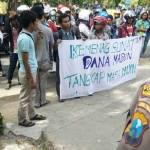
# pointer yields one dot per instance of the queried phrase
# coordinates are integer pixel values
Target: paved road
(88, 123)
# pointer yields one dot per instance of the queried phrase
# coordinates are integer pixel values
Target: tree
(27, 2)
(144, 2)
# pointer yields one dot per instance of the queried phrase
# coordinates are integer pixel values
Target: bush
(1, 124)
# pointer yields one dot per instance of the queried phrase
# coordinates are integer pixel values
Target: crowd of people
(31, 37)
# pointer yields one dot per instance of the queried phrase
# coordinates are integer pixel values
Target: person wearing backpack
(28, 70)
(67, 32)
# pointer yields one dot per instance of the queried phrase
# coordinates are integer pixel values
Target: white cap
(84, 15)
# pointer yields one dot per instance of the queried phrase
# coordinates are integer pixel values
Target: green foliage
(1, 124)
(144, 2)
(27, 2)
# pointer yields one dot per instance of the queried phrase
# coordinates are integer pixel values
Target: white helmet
(84, 15)
(129, 13)
(64, 9)
(23, 8)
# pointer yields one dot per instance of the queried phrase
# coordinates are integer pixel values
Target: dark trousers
(1, 69)
(57, 77)
(12, 66)
(145, 45)
(2, 18)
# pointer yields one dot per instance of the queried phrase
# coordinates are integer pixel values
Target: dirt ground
(9, 141)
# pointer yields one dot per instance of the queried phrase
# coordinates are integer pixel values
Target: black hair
(39, 4)
(17, 21)
(27, 17)
(110, 17)
(39, 11)
(104, 9)
(63, 16)
(16, 17)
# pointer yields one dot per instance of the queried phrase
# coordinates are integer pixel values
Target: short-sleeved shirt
(42, 45)
(25, 44)
(140, 24)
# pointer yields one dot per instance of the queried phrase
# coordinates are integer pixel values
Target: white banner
(95, 65)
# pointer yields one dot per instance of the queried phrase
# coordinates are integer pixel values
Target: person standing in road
(28, 70)
(43, 45)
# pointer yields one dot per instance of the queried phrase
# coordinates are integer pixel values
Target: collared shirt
(44, 39)
(67, 35)
(25, 44)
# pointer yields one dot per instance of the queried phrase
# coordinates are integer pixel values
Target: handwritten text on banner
(94, 65)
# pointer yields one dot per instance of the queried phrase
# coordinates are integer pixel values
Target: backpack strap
(28, 35)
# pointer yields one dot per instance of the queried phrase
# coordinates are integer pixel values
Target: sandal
(46, 103)
(27, 123)
(38, 117)
(41, 105)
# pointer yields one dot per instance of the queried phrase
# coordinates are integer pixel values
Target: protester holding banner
(111, 27)
(67, 32)
(98, 31)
